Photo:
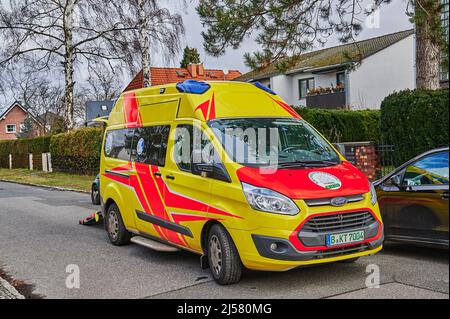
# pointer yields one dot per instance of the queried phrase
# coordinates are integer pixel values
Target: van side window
(186, 137)
(150, 145)
(185, 154)
(118, 144)
(183, 146)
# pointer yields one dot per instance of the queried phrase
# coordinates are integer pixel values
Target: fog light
(273, 247)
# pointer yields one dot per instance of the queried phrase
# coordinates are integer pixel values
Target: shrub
(77, 151)
(340, 126)
(415, 121)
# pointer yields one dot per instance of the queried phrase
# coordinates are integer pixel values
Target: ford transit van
(229, 171)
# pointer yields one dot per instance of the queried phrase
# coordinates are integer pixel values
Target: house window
(11, 128)
(340, 79)
(304, 85)
(444, 58)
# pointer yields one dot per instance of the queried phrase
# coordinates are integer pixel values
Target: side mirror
(212, 170)
(203, 168)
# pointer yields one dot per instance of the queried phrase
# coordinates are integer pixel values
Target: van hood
(309, 183)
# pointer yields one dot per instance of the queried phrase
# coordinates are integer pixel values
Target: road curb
(56, 188)
(8, 292)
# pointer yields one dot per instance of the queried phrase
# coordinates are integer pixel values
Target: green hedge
(35, 145)
(77, 151)
(21, 148)
(415, 122)
(340, 126)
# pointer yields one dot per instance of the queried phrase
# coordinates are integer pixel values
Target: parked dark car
(95, 191)
(414, 199)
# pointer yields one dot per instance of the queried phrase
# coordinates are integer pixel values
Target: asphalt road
(40, 237)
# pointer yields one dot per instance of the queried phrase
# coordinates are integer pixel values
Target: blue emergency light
(193, 87)
(264, 88)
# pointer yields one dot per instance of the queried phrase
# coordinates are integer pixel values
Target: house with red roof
(161, 76)
(12, 122)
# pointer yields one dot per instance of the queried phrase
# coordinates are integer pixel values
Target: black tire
(95, 195)
(349, 261)
(223, 258)
(117, 233)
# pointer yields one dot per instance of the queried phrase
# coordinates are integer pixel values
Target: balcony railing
(335, 100)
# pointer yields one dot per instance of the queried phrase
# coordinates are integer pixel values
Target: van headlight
(267, 200)
(373, 194)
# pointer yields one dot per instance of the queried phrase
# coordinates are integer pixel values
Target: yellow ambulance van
(229, 171)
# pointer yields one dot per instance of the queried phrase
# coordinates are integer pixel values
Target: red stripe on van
(287, 108)
(204, 108)
(131, 110)
(212, 109)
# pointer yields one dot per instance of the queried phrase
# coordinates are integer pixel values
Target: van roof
(199, 100)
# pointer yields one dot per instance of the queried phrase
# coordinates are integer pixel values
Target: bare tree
(104, 83)
(52, 33)
(157, 28)
(42, 97)
(48, 34)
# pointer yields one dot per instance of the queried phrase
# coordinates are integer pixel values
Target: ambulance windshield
(284, 142)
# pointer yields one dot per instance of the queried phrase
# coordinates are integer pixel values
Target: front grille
(341, 251)
(327, 201)
(338, 222)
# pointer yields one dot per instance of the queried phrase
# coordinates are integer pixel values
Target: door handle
(157, 174)
(445, 196)
(171, 177)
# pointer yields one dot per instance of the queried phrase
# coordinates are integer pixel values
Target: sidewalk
(8, 292)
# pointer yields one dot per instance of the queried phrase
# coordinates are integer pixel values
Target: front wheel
(224, 261)
(117, 233)
(95, 195)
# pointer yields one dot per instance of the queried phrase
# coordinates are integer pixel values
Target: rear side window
(118, 144)
(150, 145)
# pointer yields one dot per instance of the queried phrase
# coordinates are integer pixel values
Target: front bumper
(286, 251)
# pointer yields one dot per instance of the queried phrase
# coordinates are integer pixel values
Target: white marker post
(30, 160)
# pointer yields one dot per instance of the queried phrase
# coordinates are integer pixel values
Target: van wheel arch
(205, 231)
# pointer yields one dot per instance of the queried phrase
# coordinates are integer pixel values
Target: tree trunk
(145, 43)
(427, 53)
(68, 62)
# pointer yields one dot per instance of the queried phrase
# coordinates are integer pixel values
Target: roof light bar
(193, 87)
(264, 88)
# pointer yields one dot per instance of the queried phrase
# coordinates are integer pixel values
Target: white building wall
(381, 74)
(282, 85)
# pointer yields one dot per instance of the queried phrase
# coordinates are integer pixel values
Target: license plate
(345, 238)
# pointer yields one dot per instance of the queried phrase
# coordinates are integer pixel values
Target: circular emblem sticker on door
(325, 180)
(140, 147)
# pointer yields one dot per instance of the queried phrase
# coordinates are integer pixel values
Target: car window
(191, 146)
(430, 170)
(150, 145)
(118, 144)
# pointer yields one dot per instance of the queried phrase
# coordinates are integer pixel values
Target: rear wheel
(117, 233)
(224, 261)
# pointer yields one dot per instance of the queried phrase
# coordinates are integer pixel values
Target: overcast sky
(392, 18)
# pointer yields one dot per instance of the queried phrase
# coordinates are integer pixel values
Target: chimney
(192, 68)
(201, 69)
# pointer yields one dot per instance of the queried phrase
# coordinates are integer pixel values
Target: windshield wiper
(298, 163)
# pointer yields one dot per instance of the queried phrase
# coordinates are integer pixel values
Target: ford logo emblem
(339, 201)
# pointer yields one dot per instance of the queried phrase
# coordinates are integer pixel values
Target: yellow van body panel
(188, 203)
